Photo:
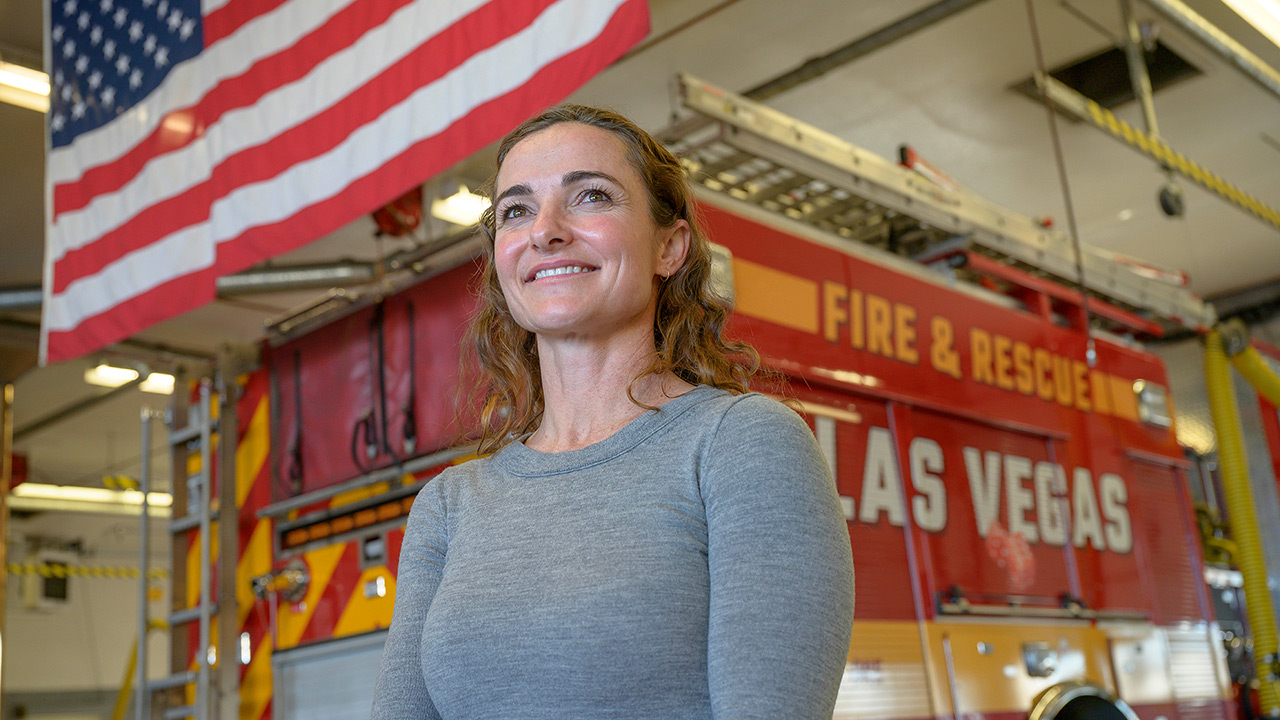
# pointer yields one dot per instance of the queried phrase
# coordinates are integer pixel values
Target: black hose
(411, 406)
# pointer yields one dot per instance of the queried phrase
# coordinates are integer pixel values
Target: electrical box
(48, 589)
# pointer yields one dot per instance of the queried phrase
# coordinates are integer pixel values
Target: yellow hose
(1243, 521)
(1249, 363)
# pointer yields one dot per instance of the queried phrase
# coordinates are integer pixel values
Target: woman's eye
(512, 212)
(595, 196)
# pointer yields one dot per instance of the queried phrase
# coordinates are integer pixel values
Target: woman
(648, 540)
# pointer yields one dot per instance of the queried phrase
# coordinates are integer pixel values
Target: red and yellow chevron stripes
(252, 492)
(342, 599)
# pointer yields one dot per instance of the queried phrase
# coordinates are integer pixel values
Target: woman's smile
(558, 271)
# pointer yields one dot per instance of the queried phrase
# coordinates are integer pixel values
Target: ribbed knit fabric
(693, 565)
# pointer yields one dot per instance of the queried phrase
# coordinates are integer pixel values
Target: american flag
(190, 140)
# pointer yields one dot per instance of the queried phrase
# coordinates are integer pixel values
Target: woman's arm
(401, 692)
(780, 568)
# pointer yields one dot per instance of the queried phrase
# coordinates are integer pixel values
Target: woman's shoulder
(751, 413)
(749, 407)
(455, 479)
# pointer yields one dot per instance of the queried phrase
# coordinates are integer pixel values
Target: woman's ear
(674, 248)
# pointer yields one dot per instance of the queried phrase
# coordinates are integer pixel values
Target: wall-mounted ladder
(189, 433)
(758, 155)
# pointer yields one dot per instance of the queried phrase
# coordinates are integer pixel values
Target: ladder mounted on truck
(753, 153)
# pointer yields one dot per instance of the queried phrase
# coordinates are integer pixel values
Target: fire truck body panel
(1004, 497)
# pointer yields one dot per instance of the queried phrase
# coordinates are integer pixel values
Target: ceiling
(945, 90)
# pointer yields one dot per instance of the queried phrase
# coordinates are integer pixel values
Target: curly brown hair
(688, 324)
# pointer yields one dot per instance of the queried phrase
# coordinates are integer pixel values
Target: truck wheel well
(1079, 700)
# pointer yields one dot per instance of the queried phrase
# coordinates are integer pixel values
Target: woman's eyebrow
(518, 189)
(570, 178)
(579, 175)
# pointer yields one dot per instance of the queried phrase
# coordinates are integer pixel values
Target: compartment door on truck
(328, 681)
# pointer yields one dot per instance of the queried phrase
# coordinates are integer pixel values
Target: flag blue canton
(107, 55)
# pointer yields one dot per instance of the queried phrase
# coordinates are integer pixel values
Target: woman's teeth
(566, 270)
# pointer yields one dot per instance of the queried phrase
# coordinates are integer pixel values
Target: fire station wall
(62, 656)
(1185, 363)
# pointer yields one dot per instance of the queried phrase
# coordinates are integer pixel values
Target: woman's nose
(549, 228)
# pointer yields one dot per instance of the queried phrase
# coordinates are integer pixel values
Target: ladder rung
(172, 681)
(190, 614)
(184, 435)
(187, 522)
(179, 711)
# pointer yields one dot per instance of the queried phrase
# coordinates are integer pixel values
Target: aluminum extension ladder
(736, 147)
(195, 436)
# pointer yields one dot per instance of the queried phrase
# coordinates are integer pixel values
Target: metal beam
(1089, 111)
(816, 67)
(320, 276)
(285, 278)
(61, 414)
(823, 64)
(20, 297)
(1219, 42)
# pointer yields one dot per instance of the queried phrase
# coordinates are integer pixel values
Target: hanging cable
(1091, 352)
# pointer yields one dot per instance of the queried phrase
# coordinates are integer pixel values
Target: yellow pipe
(126, 688)
(1249, 363)
(1243, 521)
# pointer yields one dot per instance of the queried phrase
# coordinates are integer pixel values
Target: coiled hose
(1243, 520)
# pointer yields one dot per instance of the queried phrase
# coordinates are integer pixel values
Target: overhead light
(23, 86)
(158, 383)
(110, 376)
(1263, 15)
(81, 493)
(461, 208)
(107, 376)
(30, 496)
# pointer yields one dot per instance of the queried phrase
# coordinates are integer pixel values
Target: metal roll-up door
(328, 681)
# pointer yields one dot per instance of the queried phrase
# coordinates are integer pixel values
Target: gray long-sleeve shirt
(693, 565)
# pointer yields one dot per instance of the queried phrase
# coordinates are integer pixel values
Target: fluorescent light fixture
(23, 86)
(79, 493)
(109, 376)
(1263, 15)
(35, 497)
(461, 208)
(158, 383)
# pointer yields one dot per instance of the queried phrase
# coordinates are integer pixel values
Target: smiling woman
(642, 537)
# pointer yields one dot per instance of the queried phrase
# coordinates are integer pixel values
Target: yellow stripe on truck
(991, 674)
(901, 669)
(886, 676)
(775, 296)
(366, 609)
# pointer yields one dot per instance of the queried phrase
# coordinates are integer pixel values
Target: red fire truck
(1004, 450)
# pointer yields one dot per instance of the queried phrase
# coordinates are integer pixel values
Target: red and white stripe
(299, 116)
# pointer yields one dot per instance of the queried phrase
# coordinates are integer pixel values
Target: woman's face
(576, 249)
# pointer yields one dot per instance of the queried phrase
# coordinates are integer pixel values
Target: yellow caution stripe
(1158, 150)
(59, 570)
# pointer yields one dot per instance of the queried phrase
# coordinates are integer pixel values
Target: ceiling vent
(1104, 76)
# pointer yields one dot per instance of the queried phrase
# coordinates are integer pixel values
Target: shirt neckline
(522, 460)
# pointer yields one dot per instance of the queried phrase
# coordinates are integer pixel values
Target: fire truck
(1003, 447)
